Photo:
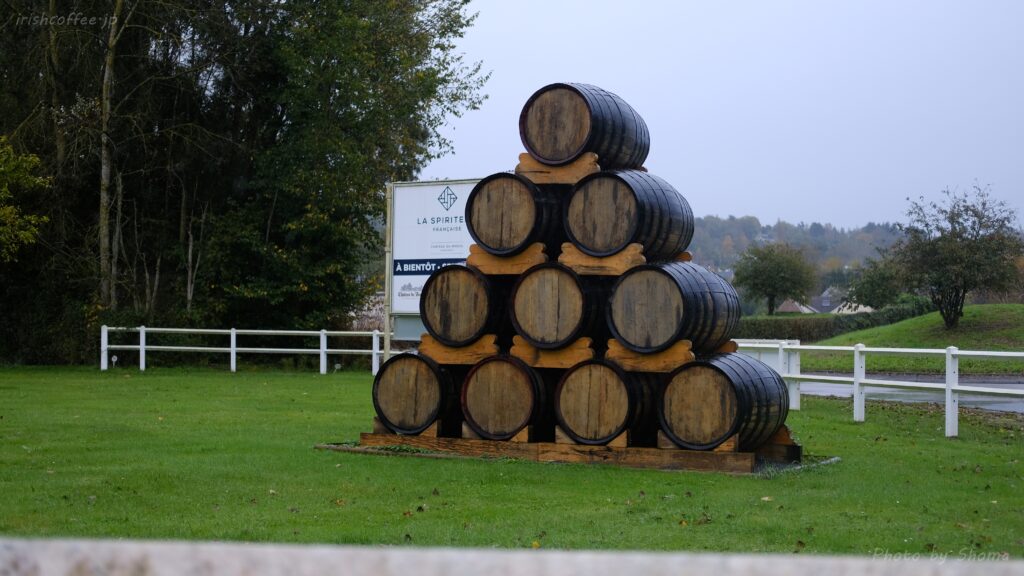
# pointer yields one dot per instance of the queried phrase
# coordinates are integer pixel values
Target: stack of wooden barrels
(579, 316)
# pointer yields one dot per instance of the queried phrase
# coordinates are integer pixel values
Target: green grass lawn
(983, 327)
(209, 455)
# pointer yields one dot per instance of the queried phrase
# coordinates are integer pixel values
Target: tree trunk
(53, 73)
(106, 153)
(771, 305)
(116, 239)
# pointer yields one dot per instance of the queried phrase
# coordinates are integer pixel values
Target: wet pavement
(1001, 403)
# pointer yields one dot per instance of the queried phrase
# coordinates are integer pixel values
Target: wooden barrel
(501, 395)
(552, 306)
(459, 304)
(411, 391)
(655, 305)
(704, 403)
(596, 401)
(505, 213)
(562, 121)
(609, 210)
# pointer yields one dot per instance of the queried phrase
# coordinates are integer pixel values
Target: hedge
(819, 327)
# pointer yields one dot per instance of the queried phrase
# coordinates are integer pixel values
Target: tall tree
(217, 162)
(878, 283)
(965, 243)
(775, 272)
(17, 177)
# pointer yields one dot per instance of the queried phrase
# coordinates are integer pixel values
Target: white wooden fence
(784, 356)
(232, 349)
(119, 557)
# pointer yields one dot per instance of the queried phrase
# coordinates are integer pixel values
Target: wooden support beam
(485, 347)
(567, 357)
(664, 361)
(615, 265)
(570, 173)
(490, 264)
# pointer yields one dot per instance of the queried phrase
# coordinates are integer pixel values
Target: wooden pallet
(726, 459)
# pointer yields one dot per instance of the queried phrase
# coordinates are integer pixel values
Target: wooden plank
(567, 357)
(730, 462)
(379, 427)
(620, 441)
(629, 257)
(728, 348)
(664, 361)
(431, 431)
(522, 436)
(506, 265)
(484, 347)
(666, 443)
(561, 437)
(464, 446)
(570, 173)
(468, 432)
(783, 436)
(730, 445)
(781, 453)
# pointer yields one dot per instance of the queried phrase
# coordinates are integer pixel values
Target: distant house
(829, 300)
(851, 308)
(791, 306)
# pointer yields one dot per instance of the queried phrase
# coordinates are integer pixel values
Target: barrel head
(498, 398)
(646, 310)
(548, 305)
(455, 305)
(555, 125)
(592, 403)
(699, 408)
(501, 213)
(407, 394)
(601, 216)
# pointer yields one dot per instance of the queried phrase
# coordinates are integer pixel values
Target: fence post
(375, 358)
(952, 396)
(104, 342)
(323, 351)
(859, 369)
(793, 364)
(142, 348)
(234, 350)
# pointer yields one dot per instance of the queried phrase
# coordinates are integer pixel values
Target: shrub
(807, 328)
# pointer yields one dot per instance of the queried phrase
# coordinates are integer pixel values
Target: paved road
(1002, 403)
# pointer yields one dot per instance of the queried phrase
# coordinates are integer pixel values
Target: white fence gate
(232, 349)
(784, 356)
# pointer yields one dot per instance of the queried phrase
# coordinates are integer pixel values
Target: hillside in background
(983, 327)
(718, 242)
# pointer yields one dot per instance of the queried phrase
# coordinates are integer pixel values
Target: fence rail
(232, 349)
(784, 356)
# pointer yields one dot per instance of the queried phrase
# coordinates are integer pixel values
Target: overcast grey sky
(822, 111)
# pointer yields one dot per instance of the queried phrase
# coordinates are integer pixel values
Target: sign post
(426, 230)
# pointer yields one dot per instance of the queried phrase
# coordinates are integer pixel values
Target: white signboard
(428, 231)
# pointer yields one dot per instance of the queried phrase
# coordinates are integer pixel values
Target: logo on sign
(447, 198)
